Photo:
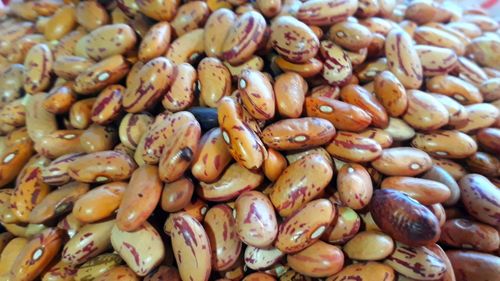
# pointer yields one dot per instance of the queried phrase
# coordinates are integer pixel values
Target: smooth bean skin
(108, 197)
(465, 233)
(410, 222)
(290, 90)
(298, 49)
(300, 183)
(354, 147)
(403, 59)
(369, 245)
(139, 199)
(365, 271)
(354, 186)
(255, 219)
(402, 161)
(425, 191)
(177, 195)
(471, 265)
(308, 261)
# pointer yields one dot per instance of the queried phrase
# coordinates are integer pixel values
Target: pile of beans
(249, 140)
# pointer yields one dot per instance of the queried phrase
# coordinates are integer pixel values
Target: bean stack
(249, 140)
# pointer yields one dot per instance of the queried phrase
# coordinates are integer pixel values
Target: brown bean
(274, 164)
(474, 188)
(119, 272)
(403, 59)
(471, 265)
(102, 166)
(150, 84)
(159, 10)
(142, 250)
(255, 219)
(438, 174)
(425, 191)
(398, 215)
(243, 38)
(489, 139)
(402, 161)
(360, 97)
(350, 35)
(139, 199)
(220, 226)
(299, 48)
(192, 246)
(299, 183)
(90, 241)
(164, 273)
(177, 195)
(465, 233)
(99, 203)
(405, 258)
(318, 260)
(305, 226)
(427, 35)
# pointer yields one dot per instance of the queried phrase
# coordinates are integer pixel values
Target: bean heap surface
(264, 140)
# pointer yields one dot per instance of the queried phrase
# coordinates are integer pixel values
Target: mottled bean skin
(305, 226)
(257, 94)
(365, 271)
(216, 28)
(337, 68)
(360, 97)
(181, 94)
(220, 226)
(402, 161)
(354, 147)
(403, 218)
(101, 74)
(155, 42)
(465, 233)
(300, 183)
(211, 157)
(191, 247)
(318, 260)
(472, 265)
(481, 198)
(102, 166)
(293, 39)
(299, 133)
(108, 197)
(427, 192)
(326, 12)
(177, 195)
(255, 219)
(354, 186)
(38, 65)
(403, 59)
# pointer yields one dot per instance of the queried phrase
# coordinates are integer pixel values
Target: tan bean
(465, 233)
(108, 105)
(158, 9)
(9, 254)
(255, 219)
(365, 271)
(97, 266)
(60, 99)
(56, 173)
(405, 258)
(326, 12)
(446, 144)
(318, 260)
(57, 202)
(102, 166)
(290, 90)
(190, 16)
(302, 228)
(192, 246)
(403, 59)
(29, 192)
(38, 66)
(313, 131)
(61, 271)
(91, 15)
(182, 90)
(139, 199)
(299, 48)
(243, 37)
(354, 147)
(155, 42)
(490, 89)
(119, 272)
(216, 28)
(360, 97)
(370, 246)
(6, 213)
(425, 112)
(220, 226)
(39, 122)
(59, 143)
(104, 73)
(354, 186)
(300, 183)
(427, 35)
(350, 35)
(391, 93)
(133, 127)
(80, 113)
(480, 115)
(470, 71)
(306, 70)
(453, 168)
(99, 203)
(177, 195)
(425, 191)
(13, 113)
(151, 82)
(214, 81)
(12, 77)
(483, 163)
(234, 181)
(89, 242)
(337, 68)
(439, 174)
(463, 92)
(457, 112)
(257, 94)
(187, 48)
(142, 249)
(211, 157)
